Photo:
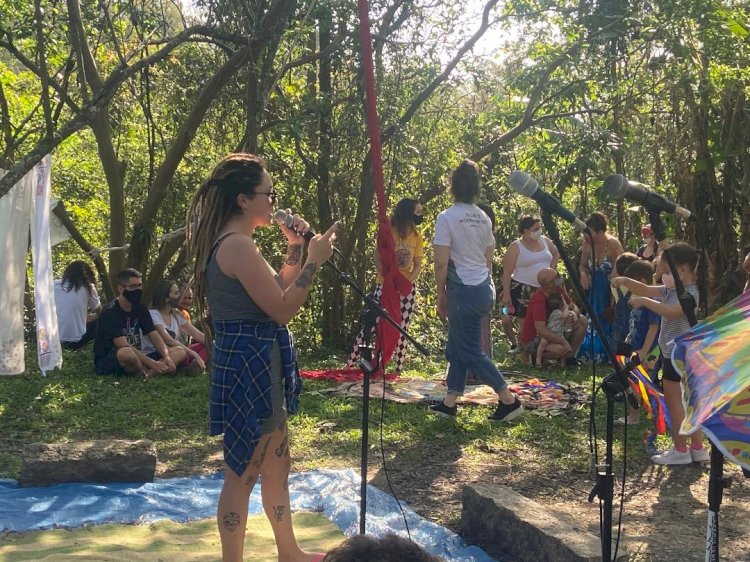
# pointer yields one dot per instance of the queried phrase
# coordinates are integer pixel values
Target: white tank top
(530, 263)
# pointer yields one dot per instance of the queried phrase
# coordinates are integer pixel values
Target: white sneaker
(700, 455)
(514, 349)
(673, 457)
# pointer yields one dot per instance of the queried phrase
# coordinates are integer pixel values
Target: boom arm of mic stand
(379, 310)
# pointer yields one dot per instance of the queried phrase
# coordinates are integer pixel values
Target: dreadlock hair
(402, 218)
(78, 275)
(213, 205)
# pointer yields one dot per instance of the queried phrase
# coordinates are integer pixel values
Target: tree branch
(61, 213)
(88, 113)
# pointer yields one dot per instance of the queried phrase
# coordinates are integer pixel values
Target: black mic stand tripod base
(614, 386)
(370, 314)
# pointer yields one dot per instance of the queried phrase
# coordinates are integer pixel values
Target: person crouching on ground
(557, 310)
(560, 348)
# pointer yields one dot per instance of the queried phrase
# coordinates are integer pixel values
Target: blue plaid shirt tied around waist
(241, 384)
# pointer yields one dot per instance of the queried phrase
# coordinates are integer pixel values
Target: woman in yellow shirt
(406, 216)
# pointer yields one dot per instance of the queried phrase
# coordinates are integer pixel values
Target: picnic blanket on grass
(547, 397)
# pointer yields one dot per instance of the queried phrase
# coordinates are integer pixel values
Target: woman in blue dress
(600, 250)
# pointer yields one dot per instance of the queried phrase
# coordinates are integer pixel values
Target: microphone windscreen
(282, 217)
(615, 186)
(523, 183)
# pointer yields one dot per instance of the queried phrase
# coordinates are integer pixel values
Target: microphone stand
(371, 312)
(614, 385)
(716, 480)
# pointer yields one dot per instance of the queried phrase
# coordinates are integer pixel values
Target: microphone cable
(382, 453)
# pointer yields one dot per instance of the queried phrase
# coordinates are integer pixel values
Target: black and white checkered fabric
(399, 356)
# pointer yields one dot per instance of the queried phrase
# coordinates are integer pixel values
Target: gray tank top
(227, 298)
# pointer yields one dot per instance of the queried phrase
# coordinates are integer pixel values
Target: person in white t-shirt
(171, 326)
(77, 304)
(463, 248)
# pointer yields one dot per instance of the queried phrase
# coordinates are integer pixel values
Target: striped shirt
(673, 327)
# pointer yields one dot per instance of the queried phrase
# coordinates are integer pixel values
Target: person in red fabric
(535, 324)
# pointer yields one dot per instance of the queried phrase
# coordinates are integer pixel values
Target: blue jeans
(467, 305)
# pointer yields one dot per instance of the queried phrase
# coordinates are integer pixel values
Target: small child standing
(556, 313)
(644, 327)
(621, 319)
(673, 323)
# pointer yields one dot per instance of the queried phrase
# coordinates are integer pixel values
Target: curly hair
(390, 548)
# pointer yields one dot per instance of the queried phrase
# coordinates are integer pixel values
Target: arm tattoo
(293, 254)
(278, 512)
(305, 277)
(231, 520)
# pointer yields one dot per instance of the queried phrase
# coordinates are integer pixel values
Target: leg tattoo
(278, 512)
(250, 480)
(281, 449)
(259, 461)
(231, 520)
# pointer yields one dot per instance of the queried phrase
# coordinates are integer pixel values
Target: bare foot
(304, 557)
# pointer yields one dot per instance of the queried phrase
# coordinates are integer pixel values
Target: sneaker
(514, 349)
(700, 455)
(573, 362)
(507, 412)
(442, 410)
(673, 457)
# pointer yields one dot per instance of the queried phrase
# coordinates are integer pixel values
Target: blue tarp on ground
(335, 493)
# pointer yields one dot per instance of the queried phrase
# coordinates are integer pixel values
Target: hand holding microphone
(293, 226)
(320, 246)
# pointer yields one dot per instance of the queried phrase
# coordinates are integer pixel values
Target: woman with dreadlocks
(255, 380)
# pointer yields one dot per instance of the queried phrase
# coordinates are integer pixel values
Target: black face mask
(174, 302)
(133, 297)
(417, 219)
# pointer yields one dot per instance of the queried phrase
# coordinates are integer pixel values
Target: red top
(536, 311)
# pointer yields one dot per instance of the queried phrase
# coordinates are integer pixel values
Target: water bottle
(507, 310)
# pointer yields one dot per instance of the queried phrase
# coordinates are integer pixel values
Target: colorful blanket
(544, 397)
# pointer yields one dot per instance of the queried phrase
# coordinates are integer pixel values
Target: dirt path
(664, 517)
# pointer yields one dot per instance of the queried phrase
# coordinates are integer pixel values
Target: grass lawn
(74, 404)
(428, 458)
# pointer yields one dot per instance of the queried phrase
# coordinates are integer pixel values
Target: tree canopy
(137, 99)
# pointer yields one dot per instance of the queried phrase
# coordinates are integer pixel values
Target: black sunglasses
(271, 194)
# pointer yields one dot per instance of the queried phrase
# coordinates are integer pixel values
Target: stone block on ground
(510, 526)
(104, 460)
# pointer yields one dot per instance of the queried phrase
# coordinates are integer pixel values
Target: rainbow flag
(714, 359)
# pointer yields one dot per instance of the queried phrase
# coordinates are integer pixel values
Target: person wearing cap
(650, 247)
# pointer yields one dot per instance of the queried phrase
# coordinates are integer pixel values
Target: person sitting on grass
(535, 323)
(557, 311)
(77, 305)
(117, 346)
(390, 548)
(674, 322)
(644, 329)
(171, 326)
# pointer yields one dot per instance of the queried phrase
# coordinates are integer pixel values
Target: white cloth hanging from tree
(27, 201)
(48, 346)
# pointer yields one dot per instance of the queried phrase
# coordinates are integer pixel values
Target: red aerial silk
(394, 283)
